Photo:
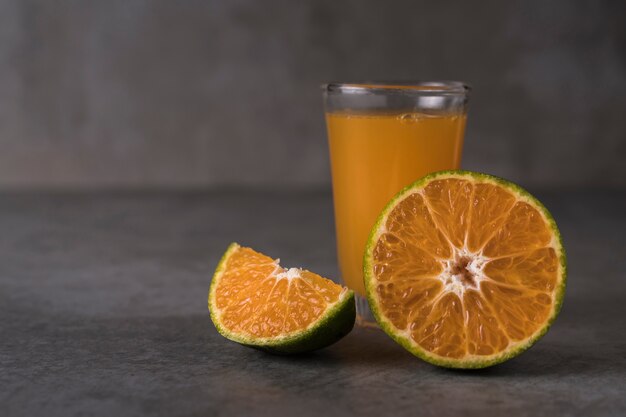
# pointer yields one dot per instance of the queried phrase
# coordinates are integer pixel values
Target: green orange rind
(477, 361)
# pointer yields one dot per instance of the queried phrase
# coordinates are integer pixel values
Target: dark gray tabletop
(103, 312)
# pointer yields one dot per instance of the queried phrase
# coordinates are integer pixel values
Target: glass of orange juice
(382, 137)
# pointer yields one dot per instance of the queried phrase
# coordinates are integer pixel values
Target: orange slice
(465, 270)
(256, 302)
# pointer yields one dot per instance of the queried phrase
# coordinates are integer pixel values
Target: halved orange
(465, 270)
(256, 302)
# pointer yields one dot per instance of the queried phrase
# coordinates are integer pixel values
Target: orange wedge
(257, 303)
(465, 270)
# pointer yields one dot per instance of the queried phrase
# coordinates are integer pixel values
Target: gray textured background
(198, 93)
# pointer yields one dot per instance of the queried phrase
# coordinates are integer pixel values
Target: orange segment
(258, 298)
(535, 270)
(490, 208)
(443, 331)
(524, 230)
(465, 269)
(519, 312)
(323, 288)
(413, 293)
(484, 331)
(412, 217)
(415, 261)
(450, 199)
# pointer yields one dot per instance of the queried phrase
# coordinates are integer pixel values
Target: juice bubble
(418, 117)
(410, 118)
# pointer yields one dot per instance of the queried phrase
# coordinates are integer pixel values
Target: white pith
(454, 281)
(289, 274)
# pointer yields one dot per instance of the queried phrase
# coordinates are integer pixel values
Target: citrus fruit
(465, 270)
(256, 302)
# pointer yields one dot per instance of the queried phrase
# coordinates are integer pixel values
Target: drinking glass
(382, 137)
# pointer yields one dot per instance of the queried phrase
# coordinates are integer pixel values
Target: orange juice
(373, 156)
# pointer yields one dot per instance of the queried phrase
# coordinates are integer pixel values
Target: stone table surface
(103, 312)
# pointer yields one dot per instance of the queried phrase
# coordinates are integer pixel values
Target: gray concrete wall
(195, 93)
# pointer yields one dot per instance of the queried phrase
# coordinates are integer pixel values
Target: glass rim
(426, 88)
